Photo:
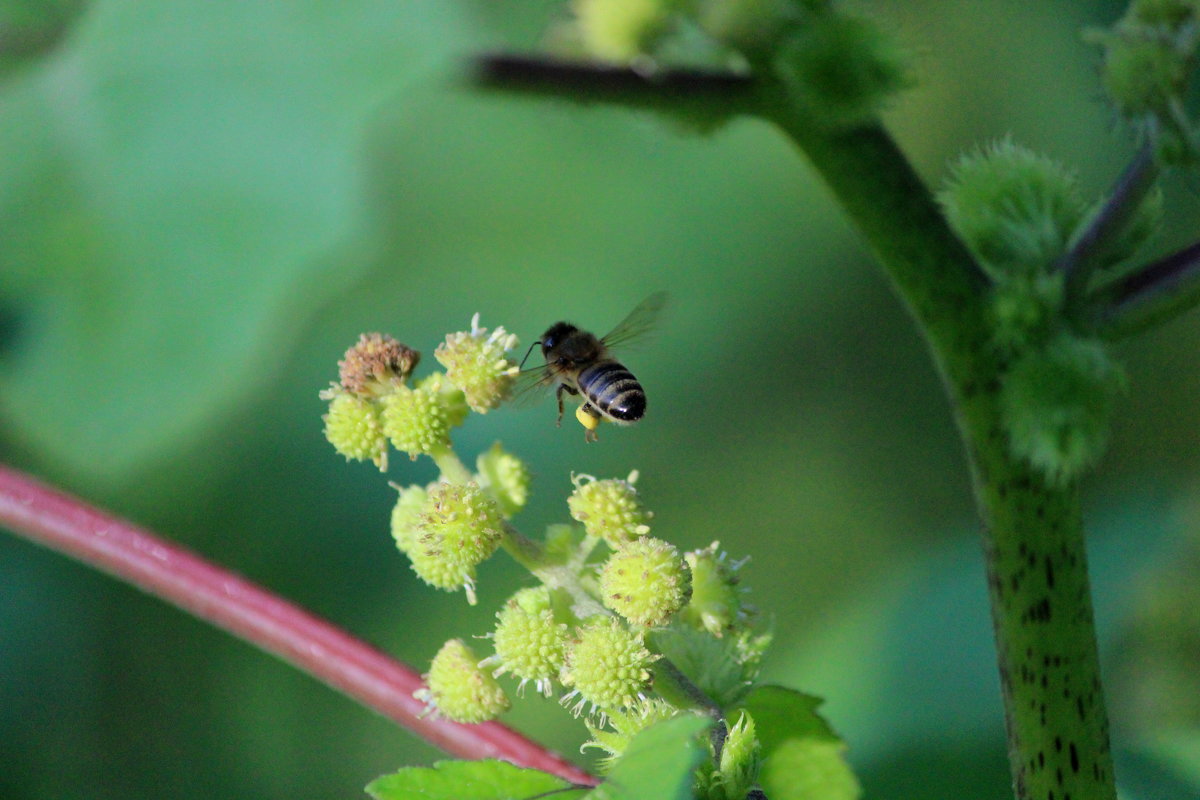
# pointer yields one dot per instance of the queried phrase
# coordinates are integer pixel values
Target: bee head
(555, 335)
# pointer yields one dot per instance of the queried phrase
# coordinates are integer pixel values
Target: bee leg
(559, 394)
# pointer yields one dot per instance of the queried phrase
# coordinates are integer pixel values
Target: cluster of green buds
(1150, 58)
(839, 68)
(1021, 214)
(622, 626)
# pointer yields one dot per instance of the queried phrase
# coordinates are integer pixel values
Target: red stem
(68, 525)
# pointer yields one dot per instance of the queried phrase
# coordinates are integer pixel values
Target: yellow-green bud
(416, 421)
(529, 642)
(1015, 210)
(645, 581)
(505, 477)
(621, 30)
(1057, 401)
(460, 527)
(354, 428)
(476, 362)
(375, 364)
(609, 509)
(450, 396)
(457, 689)
(714, 604)
(406, 516)
(608, 666)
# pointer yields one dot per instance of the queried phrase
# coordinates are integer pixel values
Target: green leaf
(659, 764)
(470, 780)
(803, 759)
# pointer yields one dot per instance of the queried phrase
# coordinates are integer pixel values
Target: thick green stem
(1042, 613)
(1032, 531)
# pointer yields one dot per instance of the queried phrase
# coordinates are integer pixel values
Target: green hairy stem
(1032, 531)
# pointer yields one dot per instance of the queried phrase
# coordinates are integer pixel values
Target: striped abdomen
(613, 391)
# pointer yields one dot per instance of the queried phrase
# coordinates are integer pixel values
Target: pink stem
(68, 525)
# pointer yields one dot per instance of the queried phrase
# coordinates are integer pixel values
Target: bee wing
(638, 323)
(532, 386)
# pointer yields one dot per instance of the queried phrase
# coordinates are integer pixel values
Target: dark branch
(1162, 289)
(710, 93)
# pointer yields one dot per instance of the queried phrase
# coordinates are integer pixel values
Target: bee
(582, 365)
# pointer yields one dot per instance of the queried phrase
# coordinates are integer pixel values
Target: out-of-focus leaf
(469, 780)
(180, 188)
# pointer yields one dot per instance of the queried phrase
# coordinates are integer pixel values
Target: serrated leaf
(803, 759)
(471, 780)
(659, 764)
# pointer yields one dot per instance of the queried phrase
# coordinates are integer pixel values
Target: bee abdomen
(613, 391)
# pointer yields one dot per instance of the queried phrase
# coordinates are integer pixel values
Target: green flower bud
(1149, 61)
(609, 509)
(416, 421)
(476, 362)
(530, 643)
(645, 581)
(406, 516)
(505, 477)
(375, 364)
(714, 605)
(608, 666)
(457, 689)
(740, 758)
(1057, 401)
(1014, 209)
(354, 428)
(621, 30)
(450, 396)
(841, 69)
(460, 527)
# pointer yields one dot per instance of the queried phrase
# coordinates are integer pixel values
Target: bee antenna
(527, 352)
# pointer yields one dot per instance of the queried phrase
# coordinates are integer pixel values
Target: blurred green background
(203, 204)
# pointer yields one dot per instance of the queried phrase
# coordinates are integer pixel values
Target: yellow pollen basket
(588, 421)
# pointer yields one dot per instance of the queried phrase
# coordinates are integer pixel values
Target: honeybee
(582, 365)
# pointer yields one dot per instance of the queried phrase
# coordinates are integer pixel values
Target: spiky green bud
(840, 69)
(1014, 209)
(740, 759)
(406, 516)
(645, 581)
(477, 363)
(621, 30)
(609, 509)
(505, 477)
(449, 396)
(354, 428)
(459, 528)
(530, 643)
(714, 604)
(1057, 401)
(1150, 58)
(416, 421)
(608, 666)
(457, 689)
